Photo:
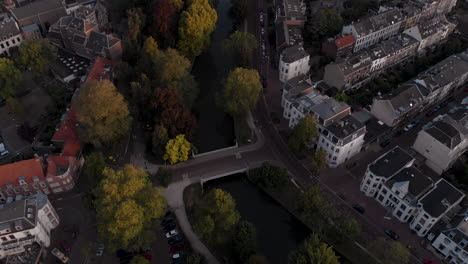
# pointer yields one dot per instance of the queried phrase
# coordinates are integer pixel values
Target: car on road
(392, 234)
(171, 234)
(359, 208)
(426, 261)
(175, 240)
(177, 256)
(3, 151)
(65, 246)
(410, 126)
(177, 248)
(385, 143)
(262, 31)
(100, 250)
(437, 108)
(427, 125)
(169, 227)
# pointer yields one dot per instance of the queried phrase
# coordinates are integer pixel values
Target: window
(4, 239)
(384, 191)
(399, 213)
(463, 243)
(403, 207)
(397, 192)
(422, 221)
(381, 198)
(337, 150)
(12, 237)
(451, 234)
(334, 157)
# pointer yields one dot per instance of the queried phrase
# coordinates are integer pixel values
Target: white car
(60, 255)
(171, 233)
(408, 127)
(100, 250)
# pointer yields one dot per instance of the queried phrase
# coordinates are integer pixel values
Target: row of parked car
(3, 151)
(174, 239)
(262, 36)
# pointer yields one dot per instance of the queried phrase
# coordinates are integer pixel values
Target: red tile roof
(344, 41)
(10, 173)
(98, 72)
(68, 134)
(54, 161)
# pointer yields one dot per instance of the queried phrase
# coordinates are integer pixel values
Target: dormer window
(463, 243)
(451, 234)
(35, 178)
(21, 180)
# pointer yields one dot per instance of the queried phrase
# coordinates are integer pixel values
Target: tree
(150, 48)
(165, 14)
(216, 216)
(102, 113)
(196, 258)
(314, 251)
(241, 45)
(159, 140)
(139, 260)
(316, 209)
(303, 134)
(135, 23)
(16, 108)
(36, 55)
(238, 10)
(164, 176)
(94, 167)
(269, 176)
(241, 91)
(342, 97)
(323, 24)
(347, 227)
(10, 78)
(126, 205)
(319, 159)
(257, 259)
(177, 149)
(389, 251)
(195, 27)
(244, 240)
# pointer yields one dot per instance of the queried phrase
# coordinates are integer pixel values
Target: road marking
(238, 155)
(185, 176)
(59, 199)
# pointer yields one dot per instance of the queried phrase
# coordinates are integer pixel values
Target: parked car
(100, 250)
(177, 256)
(415, 123)
(359, 208)
(427, 125)
(426, 261)
(392, 234)
(147, 256)
(437, 108)
(175, 239)
(57, 253)
(171, 233)
(65, 246)
(408, 127)
(385, 143)
(169, 227)
(176, 248)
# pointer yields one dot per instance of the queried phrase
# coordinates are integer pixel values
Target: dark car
(65, 246)
(177, 247)
(392, 234)
(167, 221)
(175, 239)
(169, 227)
(359, 208)
(385, 143)
(426, 261)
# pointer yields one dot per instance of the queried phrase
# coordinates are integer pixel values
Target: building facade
(431, 32)
(294, 61)
(24, 222)
(338, 47)
(452, 242)
(10, 36)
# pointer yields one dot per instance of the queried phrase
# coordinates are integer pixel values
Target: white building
(24, 222)
(294, 61)
(10, 36)
(445, 141)
(430, 32)
(452, 243)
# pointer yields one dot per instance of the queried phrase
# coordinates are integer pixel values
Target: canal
(278, 232)
(215, 127)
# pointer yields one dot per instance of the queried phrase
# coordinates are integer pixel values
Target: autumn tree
(126, 206)
(139, 260)
(238, 10)
(10, 78)
(165, 15)
(15, 107)
(257, 259)
(177, 150)
(241, 45)
(159, 140)
(135, 23)
(216, 216)
(36, 55)
(102, 113)
(389, 251)
(316, 209)
(319, 159)
(303, 134)
(150, 48)
(241, 91)
(314, 251)
(269, 176)
(164, 176)
(94, 166)
(244, 240)
(195, 27)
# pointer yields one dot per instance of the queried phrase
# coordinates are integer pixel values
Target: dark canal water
(278, 232)
(215, 127)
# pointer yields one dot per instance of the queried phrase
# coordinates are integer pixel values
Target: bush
(164, 176)
(269, 176)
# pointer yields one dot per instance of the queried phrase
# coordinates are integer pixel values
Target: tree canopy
(159, 140)
(314, 251)
(303, 134)
(139, 260)
(216, 216)
(165, 16)
(238, 10)
(241, 91)
(322, 24)
(195, 27)
(269, 176)
(135, 24)
(244, 240)
(126, 205)
(36, 55)
(389, 251)
(10, 78)
(94, 166)
(241, 46)
(319, 159)
(102, 113)
(177, 150)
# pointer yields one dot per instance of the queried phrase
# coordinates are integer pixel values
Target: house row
(397, 184)
(452, 240)
(341, 135)
(429, 87)
(356, 69)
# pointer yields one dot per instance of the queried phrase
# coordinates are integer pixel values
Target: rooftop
(344, 41)
(8, 27)
(378, 22)
(390, 163)
(329, 108)
(345, 128)
(445, 134)
(294, 53)
(67, 134)
(412, 180)
(101, 70)
(37, 7)
(21, 213)
(442, 197)
(28, 169)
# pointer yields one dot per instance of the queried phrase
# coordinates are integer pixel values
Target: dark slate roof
(7, 27)
(79, 39)
(445, 134)
(36, 7)
(345, 128)
(293, 54)
(458, 236)
(390, 163)
(17, 212)
(418, 182)
(440, 198)
(54, 35)
(97, 41)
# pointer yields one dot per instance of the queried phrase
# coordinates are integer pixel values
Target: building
(338, 47)
(31, 32)
(101, 70)
(290, 10)
(348, 73)
(429, 87)
(44, 13)
(68, 66)
(294, 61)
(444, 141)
(374, 29)
(10, 36)
(430, 32)
(407, 193)
(25, 222)
(288, 33)
(452, 242)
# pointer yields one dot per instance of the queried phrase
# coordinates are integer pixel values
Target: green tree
(238, 10)
(241, 45)
(196, 258)
(139, 260)
(159, 140)
(94, 166)
(316, 208)
(164, 176)
(323, 24)
(177, 149)
(195, 27)
(269, 176)
(319, 159)
(342, 97)
(347, 228)
(10, 78)
(241, 91)
(244, 240)
(216, 216)
(303, 134)
(102, 113)
(135, 23)
(126, 206)
(314, 251)
(36, 55)
(150, 47)
(389, 251)
(15, 107)
(257, 259)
